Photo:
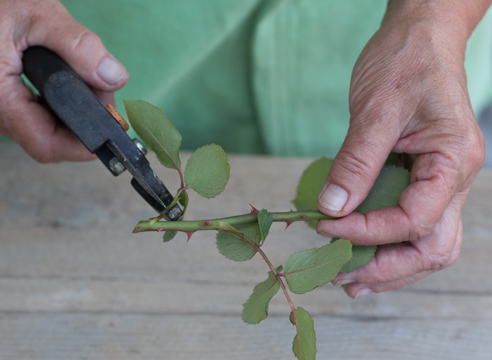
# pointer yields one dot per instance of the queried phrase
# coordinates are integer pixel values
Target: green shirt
(255, 76)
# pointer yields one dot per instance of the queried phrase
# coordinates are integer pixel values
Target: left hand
(408, 95)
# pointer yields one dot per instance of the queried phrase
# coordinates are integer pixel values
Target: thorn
(254, 210)
(288, 224)
(206, 223)
(302, 217)
(159, 229)
(189, 234)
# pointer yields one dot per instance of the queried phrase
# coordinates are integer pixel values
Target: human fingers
(420, 208)
(398, 265)
(449, 146)
(357, 165)
(378, 114)
(357, 290)
(53, 27)
(47, 23)
(408, 95)
(45, 140)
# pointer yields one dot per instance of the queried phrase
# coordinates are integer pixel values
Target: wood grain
(76, 284)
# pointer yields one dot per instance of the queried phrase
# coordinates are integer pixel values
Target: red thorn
(206, 223)
(254, 210)
(288, 224)
(159, 229)
(189, 234)
(302, 217)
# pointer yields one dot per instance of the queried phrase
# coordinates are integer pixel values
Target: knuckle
(472, 141)
(453, 258)
(469, 141)
(85, 41)
(441, 257)
(438, 261)
(356, 165)
(477, 150)
(421, 227)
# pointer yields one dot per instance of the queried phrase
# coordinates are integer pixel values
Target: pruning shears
(101, 129)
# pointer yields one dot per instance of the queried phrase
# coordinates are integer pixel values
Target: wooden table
(75, 283)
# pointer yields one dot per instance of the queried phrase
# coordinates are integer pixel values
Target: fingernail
(333, 198)
(111, 70)
(344, 282)
(362, 293)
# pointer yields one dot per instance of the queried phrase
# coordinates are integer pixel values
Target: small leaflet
(169, 235)
(208, 170)
(255, 309)
(361, 256)
(391, 182)
(235, 248)
(312, 180)
(156, 131)
(309, 269)
(265, 220)
(304, 344)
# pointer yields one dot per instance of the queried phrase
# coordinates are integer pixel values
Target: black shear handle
(80, 110)
(68, 97)
(40, 63)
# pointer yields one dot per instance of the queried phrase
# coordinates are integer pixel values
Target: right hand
(408, 95)
(25, 23)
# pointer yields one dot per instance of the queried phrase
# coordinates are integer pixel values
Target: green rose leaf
(387, 189)
(391, 182)
(361, 255)
(235, 248)
(312, 180)
(184, 200)
(207, 171)
(255, 309)
(156, 131)
(304, 344)
(265, 220)
(308, 269)
(169, 235)
(393, 159)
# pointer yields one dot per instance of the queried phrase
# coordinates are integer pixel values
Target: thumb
(54, 28)
(356, 167)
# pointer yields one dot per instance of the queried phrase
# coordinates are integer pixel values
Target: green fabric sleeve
(253, 76)
(304, 52)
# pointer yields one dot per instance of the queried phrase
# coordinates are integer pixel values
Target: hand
(26, 23)
(408, 95)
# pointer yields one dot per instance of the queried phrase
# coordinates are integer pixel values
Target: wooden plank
(62, 336)
(151, 297)
(76, 284)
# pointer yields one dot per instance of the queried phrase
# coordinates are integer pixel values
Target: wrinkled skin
(408, 95)
(25, 23)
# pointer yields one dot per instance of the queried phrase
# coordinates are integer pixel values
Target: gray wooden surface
(76, 284)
